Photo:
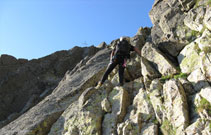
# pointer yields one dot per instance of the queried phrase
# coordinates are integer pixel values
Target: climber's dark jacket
(119, 55)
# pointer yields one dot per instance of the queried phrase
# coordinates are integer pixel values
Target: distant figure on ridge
(119, 56)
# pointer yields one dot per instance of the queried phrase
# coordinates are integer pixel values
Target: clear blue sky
(36, 28)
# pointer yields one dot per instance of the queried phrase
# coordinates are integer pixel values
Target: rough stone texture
(102, 45)
(157, 58)
(198, 128)
(119, 99)
(113, 43)
(192, 108)
(133, 87)
(39, 119)
(157, 10)
(144, 32)
(170, 19)
(126, 128)
(115, 79)
(207, 18)
(166, 17)
(175, 99)
(189, 59)
(106, 106)
(170, 32)
(143, 109)
(80, 117)
(150, 129)
(187, 4)
(138, 41)
(120, 102)
(156, 34)
(206, 93)
(24, 85)
(140, 38)
(183, 4)
(7, 60)
(188, 87)
(140, 117)
(155, 97)
(194, 18)
(133, 68)
(204, 42)
(147, 103)
(148, 70)
(109, 124)
(205, 66)
(171, 48)
(198, 80)
(129, 128)
(202, 107)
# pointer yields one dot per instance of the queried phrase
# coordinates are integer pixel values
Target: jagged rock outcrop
(24, 83)
(166, 91)
(40, 118)
(102, 45)
(155, 56)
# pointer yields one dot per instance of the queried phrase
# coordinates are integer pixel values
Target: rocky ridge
(25, 83)
(167, 90)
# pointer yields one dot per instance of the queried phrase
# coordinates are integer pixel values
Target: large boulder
(119, 99)
(167, 16)
(176, 107)
(172, 28)
(196, 55)
(84, 116)
(158, 59)
(157, 10)
(156, 91)
(140, 118)
(148, 70)
(138, 41)
(189, 58)
(194, 18)
(7, 60)
(198, 80)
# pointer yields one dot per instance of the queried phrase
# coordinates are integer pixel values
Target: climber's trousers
(111, 66)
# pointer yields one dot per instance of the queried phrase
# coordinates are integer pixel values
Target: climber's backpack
(123, 49)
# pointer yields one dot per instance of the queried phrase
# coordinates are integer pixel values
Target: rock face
(166, 91)
(39, 119)
(24, 83)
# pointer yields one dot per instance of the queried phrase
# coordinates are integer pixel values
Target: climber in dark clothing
(119, 56)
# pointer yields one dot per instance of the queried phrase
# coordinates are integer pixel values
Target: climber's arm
(137, 51)
(111, 56)
(112, 53)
